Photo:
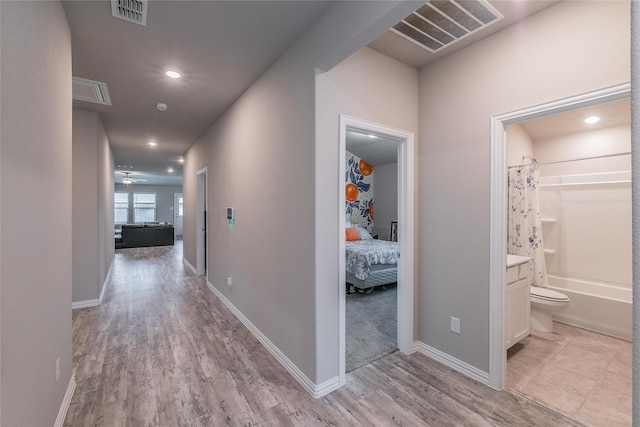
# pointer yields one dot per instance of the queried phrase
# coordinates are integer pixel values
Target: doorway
(201, 222)
(405, 232)
(498, 224)
(178, 213)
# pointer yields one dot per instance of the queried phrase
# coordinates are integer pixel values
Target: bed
(371, 263)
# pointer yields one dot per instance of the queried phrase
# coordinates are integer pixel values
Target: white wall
(85, 206)
(635, 146)
(592, 232)
(92, 213)
(106, 247)
(369, 86)
(601, 142)
(385, 199)
(526, 64)
(261, 160)
(164, 198)
(519, 145)
(36, 201)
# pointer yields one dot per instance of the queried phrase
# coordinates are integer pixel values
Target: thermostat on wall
(231, 215)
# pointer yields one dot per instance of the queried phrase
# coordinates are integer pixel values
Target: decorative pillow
(352, 234)
(364, 234)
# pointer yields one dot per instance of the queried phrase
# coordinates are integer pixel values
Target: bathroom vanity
(518, 305)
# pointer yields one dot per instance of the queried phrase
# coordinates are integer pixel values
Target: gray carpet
(371, 326)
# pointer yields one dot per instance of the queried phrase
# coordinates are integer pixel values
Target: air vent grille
(130, 10)
(441, 23)
(91, 91)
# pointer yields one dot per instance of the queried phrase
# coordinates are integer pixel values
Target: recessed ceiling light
(372, 136)
(161, 106)
(181, 160)
(173, 74)
(591, 120)
(152, 143)
(170, 170)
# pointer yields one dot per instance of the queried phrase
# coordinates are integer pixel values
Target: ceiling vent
(441, 23)
(91, 91)
(130, 10)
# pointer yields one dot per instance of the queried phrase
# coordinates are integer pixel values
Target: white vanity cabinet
(518, 309)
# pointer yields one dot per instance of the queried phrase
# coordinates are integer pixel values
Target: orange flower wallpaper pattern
(359, 191)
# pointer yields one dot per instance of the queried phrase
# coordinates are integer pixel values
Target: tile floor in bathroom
(581, 373)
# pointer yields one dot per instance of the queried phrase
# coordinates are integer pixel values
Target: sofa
(143, 235)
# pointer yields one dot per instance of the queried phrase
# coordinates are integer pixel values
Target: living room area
(147, 215)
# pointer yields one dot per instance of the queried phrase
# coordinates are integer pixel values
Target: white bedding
(362, 254)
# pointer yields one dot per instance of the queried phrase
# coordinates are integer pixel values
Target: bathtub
(599, 307)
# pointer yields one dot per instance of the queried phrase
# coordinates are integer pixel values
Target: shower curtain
(524, 230)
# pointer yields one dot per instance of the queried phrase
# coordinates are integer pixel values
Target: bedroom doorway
(400, 144)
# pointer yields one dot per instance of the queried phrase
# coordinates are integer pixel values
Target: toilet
(544, 302)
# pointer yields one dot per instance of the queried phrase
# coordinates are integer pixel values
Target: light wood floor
(161, 350)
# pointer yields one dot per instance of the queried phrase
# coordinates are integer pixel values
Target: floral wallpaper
(359, 191)
(524, 228)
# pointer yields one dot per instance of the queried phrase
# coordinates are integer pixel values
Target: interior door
(178, 213)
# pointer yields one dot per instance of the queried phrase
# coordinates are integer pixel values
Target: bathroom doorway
(541, 363)
(405, 189)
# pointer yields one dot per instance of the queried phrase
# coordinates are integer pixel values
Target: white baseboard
(66, 401)
(316, 390)
(94, 302)
(450, 361)
(85, 304)
(189, 266)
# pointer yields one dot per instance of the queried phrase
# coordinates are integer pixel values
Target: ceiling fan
(126, 179)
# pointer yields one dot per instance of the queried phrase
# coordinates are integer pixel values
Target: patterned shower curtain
(524, 231)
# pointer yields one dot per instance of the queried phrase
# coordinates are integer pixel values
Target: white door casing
(178, 214)
(201, 222)
(405, 233)
(498, 213)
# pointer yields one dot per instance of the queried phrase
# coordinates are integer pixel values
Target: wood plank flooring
(161, 350)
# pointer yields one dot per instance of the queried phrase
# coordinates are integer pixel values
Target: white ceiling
(220, 47)
(375, 149)
(395, 46)
(616, 113)
(383, 150)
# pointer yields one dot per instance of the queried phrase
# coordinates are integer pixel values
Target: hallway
(161, 350)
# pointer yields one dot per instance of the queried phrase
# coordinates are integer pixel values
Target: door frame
(406, 186)
(498, 212)
(176, 210)
(201, 222)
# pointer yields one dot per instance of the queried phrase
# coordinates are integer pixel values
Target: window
(121, 208)
(144, 207)
(180, 206)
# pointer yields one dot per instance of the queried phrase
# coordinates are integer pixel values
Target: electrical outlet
(57, 369)
(455, 325)
(229, 281)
